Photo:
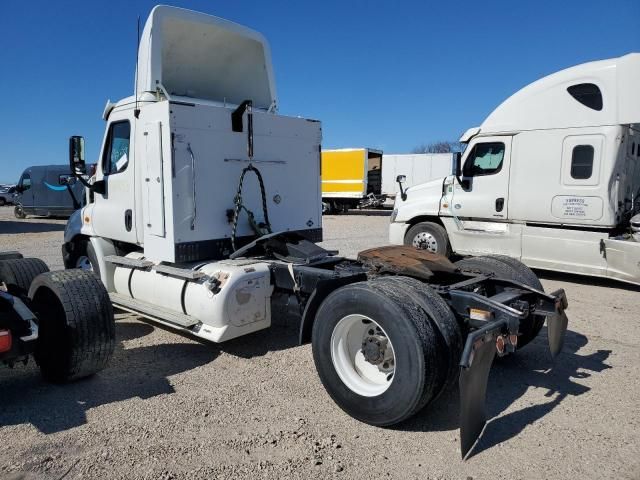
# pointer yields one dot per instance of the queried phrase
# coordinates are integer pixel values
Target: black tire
(410, 331)
(3, 202)
(18, 212)
(83, 249)
(440, 240)
(511, 269)
(18, 273)
(10, 255)
(446, 328)
(75, 322)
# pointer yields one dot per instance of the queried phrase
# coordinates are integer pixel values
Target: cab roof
(604, 92)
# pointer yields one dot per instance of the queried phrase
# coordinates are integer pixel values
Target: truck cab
(551, 177)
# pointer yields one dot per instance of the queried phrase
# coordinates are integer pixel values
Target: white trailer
(417, 168)
(551, 177)
(204, 210)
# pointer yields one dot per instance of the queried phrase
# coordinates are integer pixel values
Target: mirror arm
(403, 194)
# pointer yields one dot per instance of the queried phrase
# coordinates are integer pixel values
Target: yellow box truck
(351, 178)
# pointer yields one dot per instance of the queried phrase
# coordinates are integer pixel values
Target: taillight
(5, 341)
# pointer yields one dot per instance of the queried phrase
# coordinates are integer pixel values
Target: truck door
(485, 173)
(113, 215)
(476, 219)
(26, 193)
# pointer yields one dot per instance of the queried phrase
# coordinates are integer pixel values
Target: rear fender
(322, 290)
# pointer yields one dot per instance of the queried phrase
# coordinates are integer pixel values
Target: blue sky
(390, 75)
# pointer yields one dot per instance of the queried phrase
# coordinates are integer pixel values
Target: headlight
(394, 214)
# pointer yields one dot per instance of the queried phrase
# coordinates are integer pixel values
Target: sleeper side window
(582, 162)
(116, 153)
(588, 94)
(484, 159)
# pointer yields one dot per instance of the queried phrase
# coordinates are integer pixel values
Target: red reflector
(5, 341)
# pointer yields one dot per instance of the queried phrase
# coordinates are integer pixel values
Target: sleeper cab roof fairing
(191, 54)
(555, 101)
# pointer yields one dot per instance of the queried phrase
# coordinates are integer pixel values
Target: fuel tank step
(185, 273)
(128, 262)
(151, 311)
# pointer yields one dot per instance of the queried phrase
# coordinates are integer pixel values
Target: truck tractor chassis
(390, 331)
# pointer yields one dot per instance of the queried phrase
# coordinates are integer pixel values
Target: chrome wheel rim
(425, 241)
(83, 263)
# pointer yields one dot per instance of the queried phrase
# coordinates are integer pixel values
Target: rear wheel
(429, 236)
(375, 353)
(511, 269)
(3, 202)
(446, 327)
(18, 273)
(75, 322)
(10, 255)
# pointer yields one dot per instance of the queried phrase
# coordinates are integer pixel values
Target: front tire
(18, 212)
(429, 236)
(84, 257)
(375, 353)
(75, 322)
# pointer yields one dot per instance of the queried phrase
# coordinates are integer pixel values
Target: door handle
(128, 220)
(499, 204)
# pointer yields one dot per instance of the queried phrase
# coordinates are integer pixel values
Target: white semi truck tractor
(203, 215)
(551, 178)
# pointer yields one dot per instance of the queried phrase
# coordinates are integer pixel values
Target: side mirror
(401, 179)
(457, 171)
(457, 165)
(79, 167)
(76, 155)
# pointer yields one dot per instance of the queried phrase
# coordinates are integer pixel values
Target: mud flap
(557, 324)
(556, 329)
(473, 389)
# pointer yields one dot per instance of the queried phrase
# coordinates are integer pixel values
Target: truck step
(152, 311)
(185, 273)
(128, 262)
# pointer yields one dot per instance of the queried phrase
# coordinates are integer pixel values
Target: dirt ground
(170, 407)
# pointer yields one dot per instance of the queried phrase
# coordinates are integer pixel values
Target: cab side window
(116, 153)
(484, 159)
(25, 182)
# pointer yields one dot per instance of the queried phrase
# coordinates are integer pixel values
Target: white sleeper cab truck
(203, 215)
(551, 177)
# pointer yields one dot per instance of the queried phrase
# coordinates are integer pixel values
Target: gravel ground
(169, 407)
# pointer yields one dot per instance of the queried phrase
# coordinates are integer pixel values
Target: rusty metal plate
(405, 260)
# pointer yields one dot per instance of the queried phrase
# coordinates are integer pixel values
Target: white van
(551, 177)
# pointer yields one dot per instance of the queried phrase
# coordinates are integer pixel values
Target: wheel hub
(374, 348)
(425, 241)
